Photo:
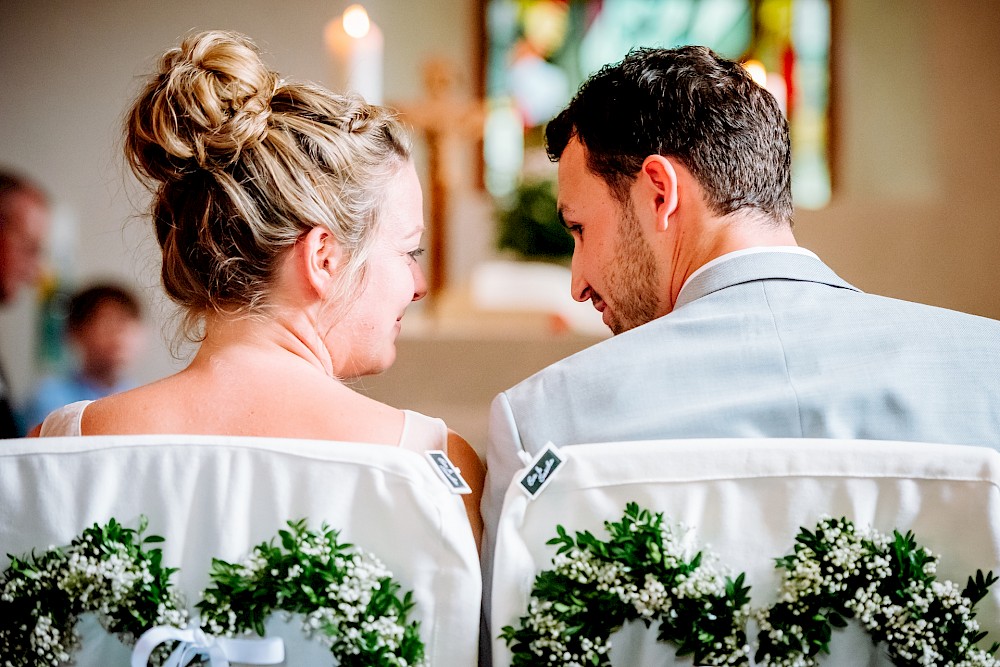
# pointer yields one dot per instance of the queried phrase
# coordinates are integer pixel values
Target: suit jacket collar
(759, 266)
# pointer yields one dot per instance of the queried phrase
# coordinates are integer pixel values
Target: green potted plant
(528, 225)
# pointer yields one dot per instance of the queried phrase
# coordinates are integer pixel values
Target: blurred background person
(24, 225)
(104, 329)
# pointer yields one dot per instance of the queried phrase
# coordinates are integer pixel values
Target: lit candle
(757, 72)
(771, 81)
(355, 45)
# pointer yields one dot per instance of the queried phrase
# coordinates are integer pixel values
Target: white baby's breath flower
(588, 589)
(104, 571)
(338, 614)
(856, 569)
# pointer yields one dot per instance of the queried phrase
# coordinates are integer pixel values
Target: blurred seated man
(104, 327)
(24, 226)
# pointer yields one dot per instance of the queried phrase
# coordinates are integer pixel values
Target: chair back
(218, 497)
(746, 500)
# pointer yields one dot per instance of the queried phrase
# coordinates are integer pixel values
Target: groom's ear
(658, 181)
(321, 257)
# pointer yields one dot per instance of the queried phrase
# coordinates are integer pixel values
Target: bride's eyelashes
(414, 254)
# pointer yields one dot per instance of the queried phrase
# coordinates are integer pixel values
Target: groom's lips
(602, 307)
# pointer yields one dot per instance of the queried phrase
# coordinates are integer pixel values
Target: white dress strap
(422, 433)
(66, 420)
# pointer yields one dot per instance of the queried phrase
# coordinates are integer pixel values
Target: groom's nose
(578, 286)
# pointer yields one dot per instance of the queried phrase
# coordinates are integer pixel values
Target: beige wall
(917, 174)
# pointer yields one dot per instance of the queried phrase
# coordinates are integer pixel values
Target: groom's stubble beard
(633, 276)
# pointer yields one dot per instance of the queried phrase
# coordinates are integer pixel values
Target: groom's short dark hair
(692, 105)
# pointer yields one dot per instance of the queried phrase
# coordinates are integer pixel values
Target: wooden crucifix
(448, 122)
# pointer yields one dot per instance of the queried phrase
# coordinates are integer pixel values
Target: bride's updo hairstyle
(242, 164)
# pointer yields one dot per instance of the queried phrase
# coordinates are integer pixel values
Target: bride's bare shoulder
(185, 403)
(146, 409)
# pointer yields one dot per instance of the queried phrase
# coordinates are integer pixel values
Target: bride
(289, 220)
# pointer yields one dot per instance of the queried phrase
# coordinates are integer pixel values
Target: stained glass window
(539, 51)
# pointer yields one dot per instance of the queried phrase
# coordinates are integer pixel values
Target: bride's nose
(419, 282)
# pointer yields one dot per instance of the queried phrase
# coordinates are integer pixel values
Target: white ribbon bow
(218, 650)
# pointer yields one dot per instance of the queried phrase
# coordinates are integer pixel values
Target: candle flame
(757, 72)
(356, 23)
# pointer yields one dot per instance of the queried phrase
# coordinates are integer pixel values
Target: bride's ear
(320, 257)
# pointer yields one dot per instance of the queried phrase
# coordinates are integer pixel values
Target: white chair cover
(746, 500)
(221, 496)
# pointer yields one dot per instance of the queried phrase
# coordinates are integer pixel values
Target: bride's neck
(257, 339)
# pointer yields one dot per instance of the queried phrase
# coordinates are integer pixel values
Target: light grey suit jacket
(762, 345)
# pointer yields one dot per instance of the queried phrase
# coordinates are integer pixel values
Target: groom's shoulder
(586, 366)
(963, 324)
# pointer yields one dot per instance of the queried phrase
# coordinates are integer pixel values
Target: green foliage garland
(888, 583)
(642, 573)
(348, 598)
(107, 570)
(834, 573)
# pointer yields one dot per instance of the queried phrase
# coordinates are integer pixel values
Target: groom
(674, 182)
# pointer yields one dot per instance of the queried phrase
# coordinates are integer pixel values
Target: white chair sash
(220, 651)
(219, 496)
(745, 501)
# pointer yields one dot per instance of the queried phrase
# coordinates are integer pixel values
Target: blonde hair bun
(209, 102)
(241, 166)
